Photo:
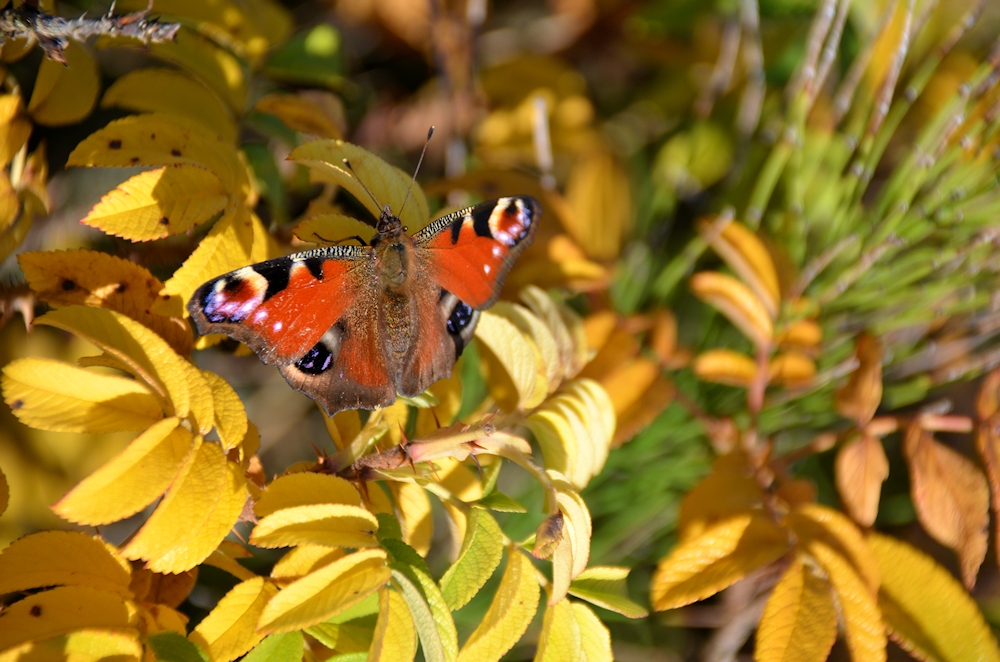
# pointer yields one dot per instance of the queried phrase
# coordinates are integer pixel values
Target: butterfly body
(351, 326)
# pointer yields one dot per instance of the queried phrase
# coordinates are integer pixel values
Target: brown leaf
(861, 468)
(860, 397)
(951, 498)
(988, 402)
(988, 443)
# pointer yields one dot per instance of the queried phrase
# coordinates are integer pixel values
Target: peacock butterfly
(350, 326)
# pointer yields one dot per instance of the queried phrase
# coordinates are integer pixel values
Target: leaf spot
(175, 152)
(17, 404)
(68, 285)
(135, 159)
(36, 610)
(121, 287)
(164, 220)
(114, 144)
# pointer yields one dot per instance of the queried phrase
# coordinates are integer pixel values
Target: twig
(53, 33)
(723, 71)
(752, 98)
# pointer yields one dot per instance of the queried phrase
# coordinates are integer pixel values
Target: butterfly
(352, 326)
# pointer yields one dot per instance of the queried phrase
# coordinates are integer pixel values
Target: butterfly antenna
(430, 132)
(367, 190)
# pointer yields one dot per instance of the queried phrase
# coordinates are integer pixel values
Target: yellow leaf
(10, 205)
(735, 300)
(331, 524)
(326, 592)
(395, 637)
(63, 610)
(729, 490)
(480, 555)
(812, 521)
(431, 615)
(158, 203)
(605, 587)
(933, 618)
(54, 558)
(800, 620)
(389, 184)
(563, 556)
(201, 398)
(300, 114)
(225, 248)
(556, 438)
(65, 94)
(229, 630)
(158, 139)
(147, 356)
(173, 92)
(67, 278)
(858, 608)
(201, 507)
(218, 69)
(723, 554)
(414, 511)
(302, 560)
(305, 489)
(132, 479)
(230, 416)
(595, 639)
(56, 396)
(598, 195)
(859, 398)
(81, 646)
(334, 229)
(551, 366)
(560, 640)
(511, 362)
(512, 609)
(14, 127)
(791, 369)
(559, 320)
(860, 469)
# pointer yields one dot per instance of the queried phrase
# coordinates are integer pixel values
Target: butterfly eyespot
(316, 361)
(460, 318)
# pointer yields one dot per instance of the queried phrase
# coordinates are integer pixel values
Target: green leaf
(388, 528)
(500, 502)
(288, 646)
(312, 58)
(480, 555)
(172, 647)
(605, 587)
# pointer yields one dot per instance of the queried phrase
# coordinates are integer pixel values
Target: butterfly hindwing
(470, 252)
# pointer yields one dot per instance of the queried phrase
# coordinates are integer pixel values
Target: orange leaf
(729, 490)
(861, 468)
(860, 397)
(813, 522)
(951, 498)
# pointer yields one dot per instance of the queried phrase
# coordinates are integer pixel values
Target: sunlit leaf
(720, 556)
(413, 507)
(336, 525)
(82, 645)
(230, 416)
(169, 91)
(512, 609)
(395, 637)
(63, 610)
(52, 395)
(229, 630)
(334, 229)
(746, 254)
(800, 620)
(598, 193)
(389, 184)
(54, 558)
(595, 639)
(288, 646)
(933, 618)
(605, 587)
(305, 489)
(14, 127)
(67, 278)
(301, 114)
(329, 590)
(65, 94)
(131, 480)
(480, 555)
(303, 559)
(560, 637)
(812, 521)
(512, 362)
(729, 490)
(737, 302)
(188, 525)
(158, 203)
